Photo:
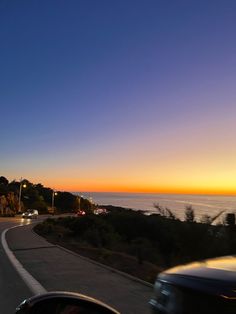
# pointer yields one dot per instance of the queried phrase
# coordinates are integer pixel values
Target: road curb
(98, 264)
(113, 270)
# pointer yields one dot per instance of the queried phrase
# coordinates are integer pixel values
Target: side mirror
(63, 303)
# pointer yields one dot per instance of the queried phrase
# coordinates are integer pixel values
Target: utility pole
(20, 192)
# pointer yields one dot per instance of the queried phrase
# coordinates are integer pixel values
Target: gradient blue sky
(119, 95)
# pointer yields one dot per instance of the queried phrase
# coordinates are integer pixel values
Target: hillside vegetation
(139, 244)
(36, 196)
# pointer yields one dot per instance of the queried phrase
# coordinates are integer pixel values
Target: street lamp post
(53, 196)
(79, 202)
(20, 192)
(91, 203)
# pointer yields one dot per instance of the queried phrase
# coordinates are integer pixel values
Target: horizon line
(151, 192)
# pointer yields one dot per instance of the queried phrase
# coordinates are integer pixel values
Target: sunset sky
(128, 95)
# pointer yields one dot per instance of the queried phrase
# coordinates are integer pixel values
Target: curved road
(12, 287)
(55, 268)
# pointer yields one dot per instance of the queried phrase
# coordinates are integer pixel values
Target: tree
(165, 212)
(189, 214)
(12, 201)
(230, 219)
(3, 181)
(66, 202)
(206, 219)
(3, 204)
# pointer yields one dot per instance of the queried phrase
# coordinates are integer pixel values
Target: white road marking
(34, 286)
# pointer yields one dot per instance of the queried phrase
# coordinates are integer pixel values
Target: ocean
(202, 204)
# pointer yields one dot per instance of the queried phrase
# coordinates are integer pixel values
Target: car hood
(216, 276)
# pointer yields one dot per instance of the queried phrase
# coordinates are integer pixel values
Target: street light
(53, 195)
(20, 192)
(91, 202)
(79, 200)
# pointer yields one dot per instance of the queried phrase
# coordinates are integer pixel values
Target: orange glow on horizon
(141, 189)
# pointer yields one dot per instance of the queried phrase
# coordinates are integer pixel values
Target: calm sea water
(203, 204)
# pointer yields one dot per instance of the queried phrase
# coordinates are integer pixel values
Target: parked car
(197, 288)
(30, 213)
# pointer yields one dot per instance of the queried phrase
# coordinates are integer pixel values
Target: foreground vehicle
(201, 287)
(63, 303)
(30, 213)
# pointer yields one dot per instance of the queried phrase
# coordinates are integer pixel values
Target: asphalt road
(58, 269)
(13, 289)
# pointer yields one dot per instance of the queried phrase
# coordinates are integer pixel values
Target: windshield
(118, 155)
